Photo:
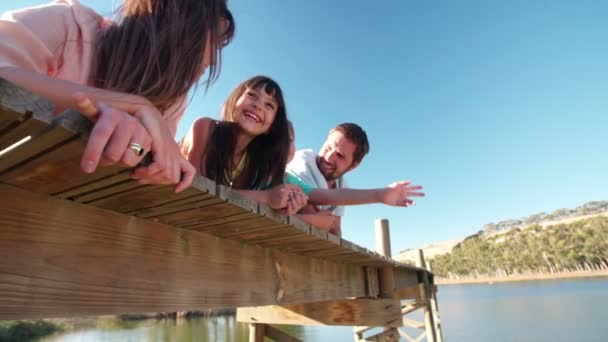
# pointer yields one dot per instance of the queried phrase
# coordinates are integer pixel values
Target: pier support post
(435, 307)
(387, 274)
(429, 315)
(256, 332)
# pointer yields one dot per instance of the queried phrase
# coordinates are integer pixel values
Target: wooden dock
(76, 244)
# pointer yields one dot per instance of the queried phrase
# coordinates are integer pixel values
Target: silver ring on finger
(137, 148)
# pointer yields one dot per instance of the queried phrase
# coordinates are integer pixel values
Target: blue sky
(498, 109)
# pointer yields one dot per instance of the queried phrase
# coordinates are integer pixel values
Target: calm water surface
(564, 310)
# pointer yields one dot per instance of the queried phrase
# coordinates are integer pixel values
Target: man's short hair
(357, 136)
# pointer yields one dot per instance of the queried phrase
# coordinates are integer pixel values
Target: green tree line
(569, 247)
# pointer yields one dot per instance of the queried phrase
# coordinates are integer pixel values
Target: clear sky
(499, 109)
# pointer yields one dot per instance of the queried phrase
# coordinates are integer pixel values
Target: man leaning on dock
(343, 151)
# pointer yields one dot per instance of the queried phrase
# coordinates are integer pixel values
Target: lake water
(564, 310)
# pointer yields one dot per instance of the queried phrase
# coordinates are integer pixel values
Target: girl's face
(255, 111)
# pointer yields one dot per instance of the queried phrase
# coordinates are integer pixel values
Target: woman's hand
(169, 166)
(116, 131)
(114, 138)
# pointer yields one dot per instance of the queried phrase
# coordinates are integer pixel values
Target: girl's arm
(194, 145)
(396, 194)
(286, 197)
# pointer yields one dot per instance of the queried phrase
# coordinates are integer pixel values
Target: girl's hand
(278, 196)
(116, 137)
(297, 200)
(169, 166)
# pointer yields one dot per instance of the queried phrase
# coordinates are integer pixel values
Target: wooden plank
(415, 292)
(240, 226)
(220, 221)
(95, 185)
(235, 232)
(280, 231)
(372, 281)
(279, 234)
(279, 335)
(232, 196)
(9, 119)
(174, 207)
(18, 131)
(284, 241)
(389, 335)
(54, 171)
(130, 196)
(409, 308)
(334, 252)
(413, 323)
(114, 196)
(20, 102)
(346, 312)
(406, 277)
(197, 215)
(48, 140)
(406, 336)
(59, 258)
(257, 332)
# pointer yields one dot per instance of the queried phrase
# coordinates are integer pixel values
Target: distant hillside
(580, 245)
(498, 231)
(590, 208)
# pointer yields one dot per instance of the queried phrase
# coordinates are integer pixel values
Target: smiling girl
(248, 148)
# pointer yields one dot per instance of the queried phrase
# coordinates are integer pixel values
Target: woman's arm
(60, 92)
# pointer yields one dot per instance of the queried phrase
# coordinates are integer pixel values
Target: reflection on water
(565, 310)
(217, 328)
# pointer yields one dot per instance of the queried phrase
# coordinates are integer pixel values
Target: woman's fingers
(188, 171)
(118, 145)
(98, 139)
(84, 104)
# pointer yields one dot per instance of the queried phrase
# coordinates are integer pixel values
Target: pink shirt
(58, 40)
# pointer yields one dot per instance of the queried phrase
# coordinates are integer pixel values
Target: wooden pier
(76, 244)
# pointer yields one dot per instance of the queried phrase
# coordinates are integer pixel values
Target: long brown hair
(267, 153)
(156, 49)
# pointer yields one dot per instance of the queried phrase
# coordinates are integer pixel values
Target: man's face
(336, 156)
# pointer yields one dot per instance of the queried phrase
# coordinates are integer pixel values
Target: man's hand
(399, 194)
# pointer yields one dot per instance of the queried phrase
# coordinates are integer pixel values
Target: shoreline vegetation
(521, 277)
(574, 249)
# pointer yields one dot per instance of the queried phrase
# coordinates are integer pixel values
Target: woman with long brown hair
(130, 76)
(247, 149)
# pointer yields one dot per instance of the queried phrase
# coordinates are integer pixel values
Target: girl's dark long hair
(267, 153)
(156, 49)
